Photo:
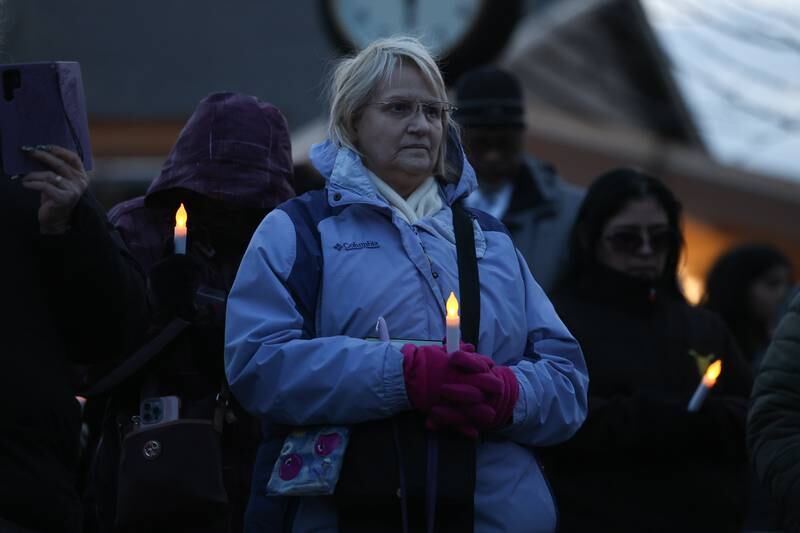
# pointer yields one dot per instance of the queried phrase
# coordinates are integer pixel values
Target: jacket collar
(349, 183)
(348, 178)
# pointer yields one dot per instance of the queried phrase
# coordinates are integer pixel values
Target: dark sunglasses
(630, 241)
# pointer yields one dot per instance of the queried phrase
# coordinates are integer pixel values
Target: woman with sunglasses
(642, 462)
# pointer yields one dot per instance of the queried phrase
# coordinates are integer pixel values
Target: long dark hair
(606, 197)
(728, 284)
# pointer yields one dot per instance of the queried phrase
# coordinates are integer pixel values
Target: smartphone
(159, 410)
(41, 103)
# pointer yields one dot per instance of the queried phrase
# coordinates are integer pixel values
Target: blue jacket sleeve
(274, 369)
(552, 375)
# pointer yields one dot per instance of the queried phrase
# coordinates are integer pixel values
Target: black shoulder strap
(468, 281)
(138, 359)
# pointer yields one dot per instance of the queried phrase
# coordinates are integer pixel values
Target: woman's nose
(418, 122)
(645, 248)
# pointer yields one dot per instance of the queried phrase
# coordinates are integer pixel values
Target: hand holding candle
(707, 383)
(453, 322)
(180, 230)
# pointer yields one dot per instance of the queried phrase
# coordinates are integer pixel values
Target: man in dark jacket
(773, 425)
(536, 205)
(72, 294)
(229, 167)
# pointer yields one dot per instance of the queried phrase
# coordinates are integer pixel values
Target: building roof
(576, 56)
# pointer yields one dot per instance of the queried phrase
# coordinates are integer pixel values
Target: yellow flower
(703, 361)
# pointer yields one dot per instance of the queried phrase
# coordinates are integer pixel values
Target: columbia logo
(347, 246)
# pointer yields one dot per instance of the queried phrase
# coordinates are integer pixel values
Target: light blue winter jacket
(304, 300)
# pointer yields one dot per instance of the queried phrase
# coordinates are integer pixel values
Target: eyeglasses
(630, 241)
(403, 109)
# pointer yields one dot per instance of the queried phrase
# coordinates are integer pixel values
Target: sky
(737, 63)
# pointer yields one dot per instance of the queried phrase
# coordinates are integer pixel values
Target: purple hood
(235, 149)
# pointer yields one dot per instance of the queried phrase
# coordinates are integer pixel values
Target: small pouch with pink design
(310, 461)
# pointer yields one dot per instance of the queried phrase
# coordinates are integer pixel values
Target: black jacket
(773, 428)
(76, 297)
(642, 462)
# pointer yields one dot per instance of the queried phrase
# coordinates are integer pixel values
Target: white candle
(706, 384)
(180, 230)
(453, 323)
(382, 329)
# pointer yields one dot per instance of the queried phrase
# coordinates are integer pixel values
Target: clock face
(440, 24)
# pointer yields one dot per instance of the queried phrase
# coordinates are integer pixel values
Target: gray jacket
(540, 227)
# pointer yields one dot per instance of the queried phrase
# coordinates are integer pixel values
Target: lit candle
(706, 384)
(453, 323)
(180, 230)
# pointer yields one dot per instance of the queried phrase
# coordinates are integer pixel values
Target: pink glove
(472, 419)
(432, 376)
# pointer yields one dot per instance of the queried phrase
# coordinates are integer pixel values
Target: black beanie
(488, 97)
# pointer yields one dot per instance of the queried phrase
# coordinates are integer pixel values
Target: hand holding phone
(60, 188)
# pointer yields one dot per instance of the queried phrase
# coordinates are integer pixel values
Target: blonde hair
(357, 77)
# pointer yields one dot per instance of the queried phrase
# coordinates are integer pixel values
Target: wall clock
(462, 33)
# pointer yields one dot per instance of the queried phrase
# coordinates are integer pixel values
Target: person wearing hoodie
(436, 439)
(230, 165)
(642, 461)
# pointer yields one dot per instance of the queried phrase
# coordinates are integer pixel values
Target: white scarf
(424, 201)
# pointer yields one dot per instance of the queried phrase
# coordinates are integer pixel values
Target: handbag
(168, 470)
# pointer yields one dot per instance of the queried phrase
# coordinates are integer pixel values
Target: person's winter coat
(540, 217)
(71, 298)
(306, 297)
(773, 426)
(642, 462)
(230, 165)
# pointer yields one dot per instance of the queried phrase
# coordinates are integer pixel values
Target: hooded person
(230, 165)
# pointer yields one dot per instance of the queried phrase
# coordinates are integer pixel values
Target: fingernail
(43, 147)
(26, 148)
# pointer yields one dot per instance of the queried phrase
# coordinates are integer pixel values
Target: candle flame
(452, 306)
(181, 217)
(712, 373)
